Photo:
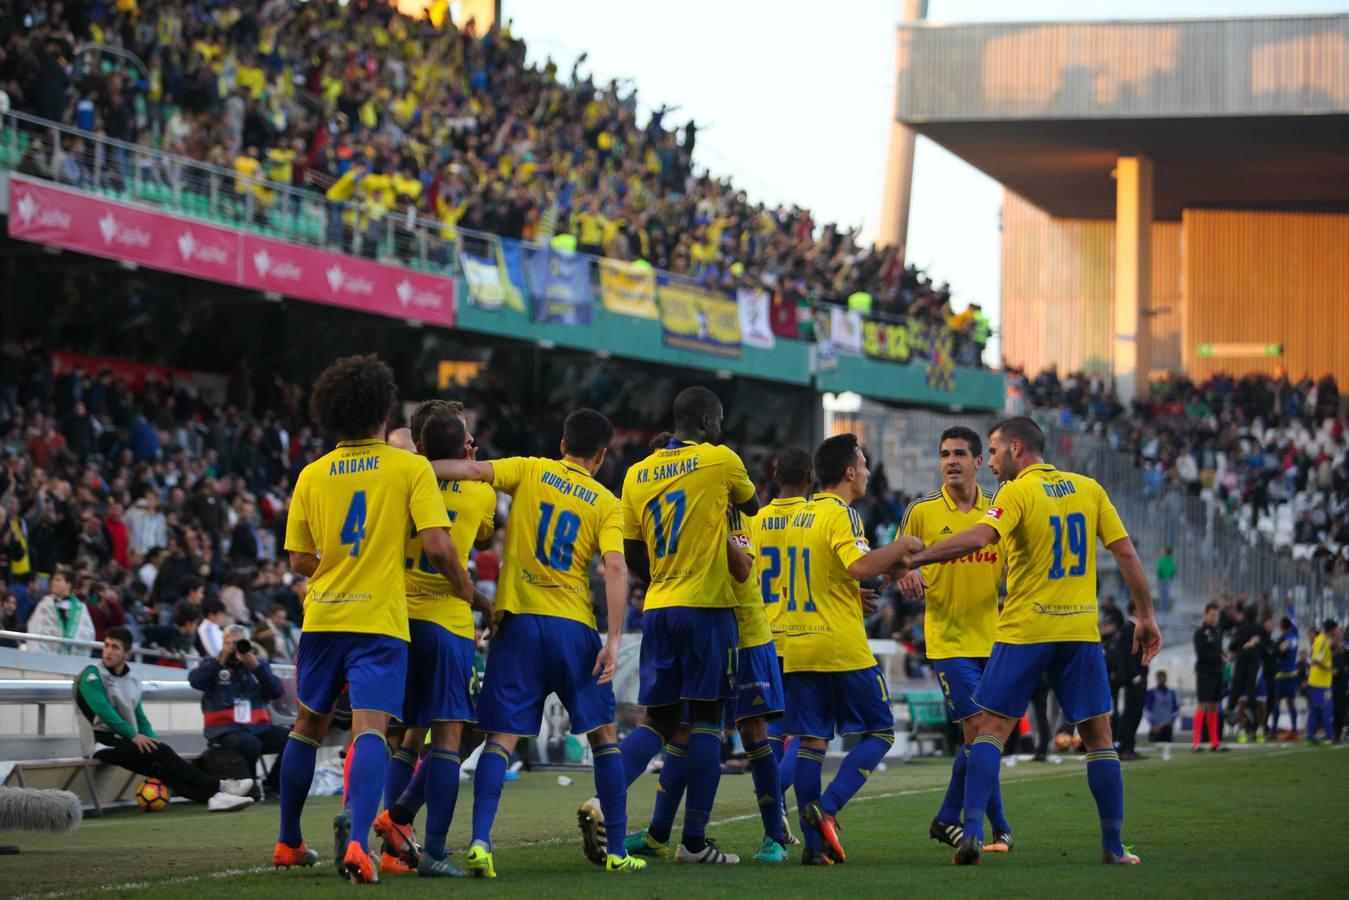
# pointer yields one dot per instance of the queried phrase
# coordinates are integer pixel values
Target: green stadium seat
(927, 718)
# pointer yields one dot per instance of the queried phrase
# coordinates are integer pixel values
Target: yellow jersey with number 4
(750, 617)
(962, 594)
(353, 508)
(1048, 523)
(560, 518)
(471, 506)
(675, 502)
(823, 618)
(768, 533)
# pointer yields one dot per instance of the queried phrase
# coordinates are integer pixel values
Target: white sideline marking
(888, 795)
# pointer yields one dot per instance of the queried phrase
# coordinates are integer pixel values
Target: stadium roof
(1235, 113)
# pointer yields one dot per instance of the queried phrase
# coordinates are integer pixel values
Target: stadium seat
(927, 718)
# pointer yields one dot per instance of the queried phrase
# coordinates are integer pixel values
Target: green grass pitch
(1264, 822)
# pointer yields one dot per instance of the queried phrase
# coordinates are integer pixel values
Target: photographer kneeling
(236, 688)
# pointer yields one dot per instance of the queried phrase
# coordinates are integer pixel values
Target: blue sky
(796, 99)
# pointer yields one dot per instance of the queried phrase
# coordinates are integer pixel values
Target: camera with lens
(242, 647)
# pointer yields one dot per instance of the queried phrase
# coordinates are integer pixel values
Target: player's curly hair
(353, 397)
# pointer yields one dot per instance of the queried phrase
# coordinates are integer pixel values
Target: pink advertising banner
(47, 214)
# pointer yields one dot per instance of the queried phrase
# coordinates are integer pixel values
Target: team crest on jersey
(994, 512)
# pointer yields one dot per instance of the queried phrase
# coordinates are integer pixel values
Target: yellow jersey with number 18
(353, 508)
(675, 502)
(471, 506)
(768, 533)
(750, 618)
(1048, 523)
(962, 594)
(823, 619)
(560, 518)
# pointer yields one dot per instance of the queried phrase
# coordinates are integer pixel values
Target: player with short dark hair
(546, 641)
(961, 613)
(758, 705)
(1208, 675)
(439, 690)
(346, 532)
(674, 536)
(832, 680)
(1047, 522)
(1285, 679)
(1320, 679)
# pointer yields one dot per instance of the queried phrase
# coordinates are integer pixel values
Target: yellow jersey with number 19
(675, 502)
(353, 508)
(823, 619)
(560, 518)
(750, 618)
(471, 506)
(768, 533)
(962, 594)
(1048, 523)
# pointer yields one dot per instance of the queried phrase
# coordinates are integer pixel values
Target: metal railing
(186, 187)
(139, 654)
(1213, 554)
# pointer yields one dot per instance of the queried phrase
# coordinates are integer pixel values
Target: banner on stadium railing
(756, 328)
(845, 329)
(559, 286)
(484, 280)
(47, 214)
(694, 319)
(885, 341)
(941, 366)
(628, 290)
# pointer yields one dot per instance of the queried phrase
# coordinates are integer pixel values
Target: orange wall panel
(1268, 278)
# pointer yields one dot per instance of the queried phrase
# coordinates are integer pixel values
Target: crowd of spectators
(1270, 452)
(399, 119)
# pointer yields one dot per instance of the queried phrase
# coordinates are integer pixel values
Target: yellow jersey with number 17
(560, 518)
(675, 502)
(471, 506)
(962, 594)
(768, 533)
(750, 618)
(353, 508)
(823, 619)
(1048, 523)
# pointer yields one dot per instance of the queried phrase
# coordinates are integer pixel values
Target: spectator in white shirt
(211, 631)
(61, 614)
(145, 524)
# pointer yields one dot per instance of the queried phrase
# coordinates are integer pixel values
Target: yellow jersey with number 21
(823, 619)
(1048, 523)
(768, 533)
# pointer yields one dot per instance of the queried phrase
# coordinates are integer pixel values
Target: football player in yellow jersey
(674, 536)
(794, 474)
(348, 520)
(439, 693)
(962, 608)
(758, 702)
(833, 682)
(1046, 523)
(546, 641)
(1320, 679)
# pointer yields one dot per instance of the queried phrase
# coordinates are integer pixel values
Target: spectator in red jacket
(118, 539)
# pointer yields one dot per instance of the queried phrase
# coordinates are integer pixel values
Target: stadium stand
(398, 119)
(1272, 454)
